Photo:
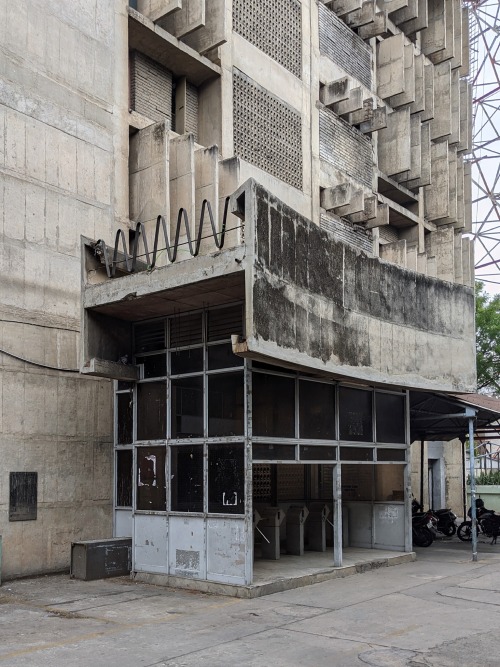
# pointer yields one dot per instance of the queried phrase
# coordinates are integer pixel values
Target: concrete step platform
(288, 572)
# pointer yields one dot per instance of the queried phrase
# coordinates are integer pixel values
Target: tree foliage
(487, 341)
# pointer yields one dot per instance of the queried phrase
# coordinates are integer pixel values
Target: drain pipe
(471, 414)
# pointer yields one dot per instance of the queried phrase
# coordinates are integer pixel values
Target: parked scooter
(424, 525)
(488, 524)
(445, 519)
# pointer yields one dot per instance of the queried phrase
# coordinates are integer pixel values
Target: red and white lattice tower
(485, 157)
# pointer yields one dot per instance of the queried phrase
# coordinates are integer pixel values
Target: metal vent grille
(225, 322)
(186, 330)
(150, 337)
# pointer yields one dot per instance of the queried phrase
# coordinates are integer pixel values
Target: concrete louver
(169, 172)
(202, 24)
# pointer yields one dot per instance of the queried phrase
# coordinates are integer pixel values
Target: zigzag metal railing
(130, 260)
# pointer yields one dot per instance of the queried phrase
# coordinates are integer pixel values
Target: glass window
(357, 482)
(224, 322)
(226, 403)
(186, 361)
(124, 478)
(151, 411)
(390, 411)
(187, 478)
(124, 418)
(272, 452)
(317, 410)
(356, 454)
(317, 453)
(273, 400)
(391, 454)
(149, 337)
(187, 407)
(355, 414)
(154, 366)
(389, 483)
(226, 478)
(151, 491)
(221, 356)
(186, 330)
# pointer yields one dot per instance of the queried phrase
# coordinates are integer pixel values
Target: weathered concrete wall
(61, 90)
(317, 301)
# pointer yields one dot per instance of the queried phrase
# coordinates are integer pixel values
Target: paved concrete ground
(442, 610)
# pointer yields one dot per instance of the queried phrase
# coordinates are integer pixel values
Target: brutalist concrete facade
(351, 119)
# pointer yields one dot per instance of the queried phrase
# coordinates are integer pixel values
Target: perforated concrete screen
(275, 142)
(274, 26)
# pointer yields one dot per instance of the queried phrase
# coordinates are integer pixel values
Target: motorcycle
(446, 521)
(488, 524)
(424, 525)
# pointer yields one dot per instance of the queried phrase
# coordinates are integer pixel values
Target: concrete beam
(377, 121)
(381, 219)
(436, 195)
(344, 7)
(407, 12)
(158, 9)
(182, 186)
(335, 91)
(420, 22)
(391, 6)
(394, 143)
(111, 369)
(465, 67)
(425, 159)
(155, 42)
(415, 170)
(419, 103)
(441, 123)
(190, 17)
(409, 94)
(448, 51)
(465, 144)
(377, 28)
(362, 16)
(458, 51)
(433, 38)
(390, 66)
(353, 103)
(428, 113)
(455, 107)
(215, 32)
(394, 252)
(339, 195)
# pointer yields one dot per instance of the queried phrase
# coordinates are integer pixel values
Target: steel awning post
(471, 414)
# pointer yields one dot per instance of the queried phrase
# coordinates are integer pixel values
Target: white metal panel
(150, 543)
(187, 547)
(360, 524)
(226, 552)
(123, 523)
(389, 526)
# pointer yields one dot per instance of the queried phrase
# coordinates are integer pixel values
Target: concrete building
(243, 223)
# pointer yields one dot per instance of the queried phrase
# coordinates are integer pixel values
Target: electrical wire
(40, 365)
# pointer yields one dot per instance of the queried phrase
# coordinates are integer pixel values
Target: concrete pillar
(206, 166)
(182, 187)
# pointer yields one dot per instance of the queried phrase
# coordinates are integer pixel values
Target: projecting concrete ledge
(267, 584)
